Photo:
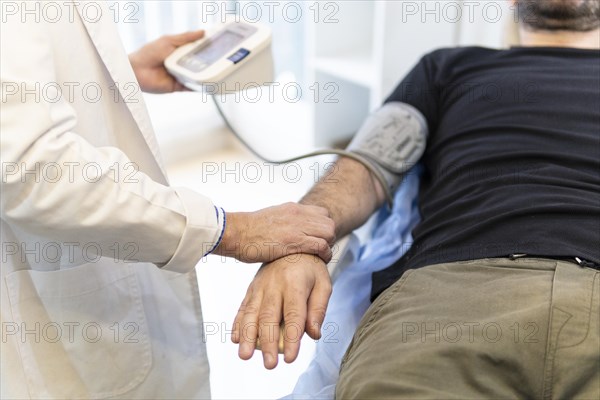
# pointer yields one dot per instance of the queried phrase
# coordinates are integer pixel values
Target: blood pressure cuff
(392, 139)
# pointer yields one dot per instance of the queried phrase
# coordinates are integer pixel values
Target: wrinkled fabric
(390, 239)
(81, 246)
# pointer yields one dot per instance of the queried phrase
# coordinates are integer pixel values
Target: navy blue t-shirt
(512, 164)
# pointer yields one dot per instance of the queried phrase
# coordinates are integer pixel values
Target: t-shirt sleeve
(419, 89)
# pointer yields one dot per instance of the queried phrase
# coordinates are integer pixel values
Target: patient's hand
(296, 288)
(275, 232)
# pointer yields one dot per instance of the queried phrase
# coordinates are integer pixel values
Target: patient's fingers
(269, 318)
(282, 289)
(294, 317)
(235, 335)
(249, 326)
(317, 306)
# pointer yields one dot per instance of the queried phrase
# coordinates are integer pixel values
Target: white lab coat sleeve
(56, 184)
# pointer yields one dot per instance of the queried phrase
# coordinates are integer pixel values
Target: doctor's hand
(296, 288)
(148, 62)
(275, 232)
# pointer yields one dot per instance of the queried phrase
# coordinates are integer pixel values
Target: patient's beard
(552, 15)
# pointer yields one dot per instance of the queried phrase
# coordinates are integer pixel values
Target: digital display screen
(211, 51)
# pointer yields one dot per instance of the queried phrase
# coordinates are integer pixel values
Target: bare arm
(349, 192)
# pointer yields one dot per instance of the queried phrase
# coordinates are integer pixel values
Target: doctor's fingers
(285, 221)
(178, 87)
(184, 38)
(318, 210)
(302, 215)
(312, 245)
(321, 228)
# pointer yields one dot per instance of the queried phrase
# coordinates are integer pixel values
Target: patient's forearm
(349, 192)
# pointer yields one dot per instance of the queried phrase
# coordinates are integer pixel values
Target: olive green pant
(493, 328)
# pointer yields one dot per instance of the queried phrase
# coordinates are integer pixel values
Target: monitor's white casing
(221, 76)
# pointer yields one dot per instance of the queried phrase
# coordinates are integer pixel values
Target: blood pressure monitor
(227, 60)
(391, 140)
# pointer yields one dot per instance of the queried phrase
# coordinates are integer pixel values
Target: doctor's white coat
(98, 289)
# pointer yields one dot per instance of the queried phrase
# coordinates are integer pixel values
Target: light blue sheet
(390, 239)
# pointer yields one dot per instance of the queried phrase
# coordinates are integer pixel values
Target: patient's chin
(554, 15)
